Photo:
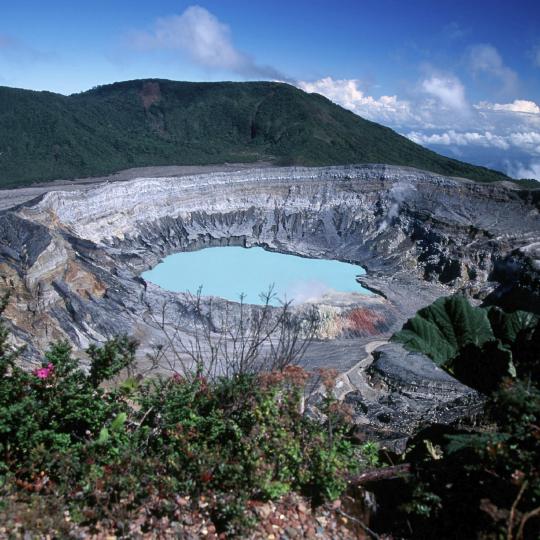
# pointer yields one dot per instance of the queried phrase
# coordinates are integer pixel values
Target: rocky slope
(73, 259)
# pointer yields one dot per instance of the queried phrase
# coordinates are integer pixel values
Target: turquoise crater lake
(228, 272)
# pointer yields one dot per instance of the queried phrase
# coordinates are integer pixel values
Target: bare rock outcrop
(73, 259)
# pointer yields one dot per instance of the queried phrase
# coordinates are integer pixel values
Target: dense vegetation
(480, 481)
(85, 452)
(106, 452)
(46, 136)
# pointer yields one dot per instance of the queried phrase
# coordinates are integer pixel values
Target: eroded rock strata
(73, 259)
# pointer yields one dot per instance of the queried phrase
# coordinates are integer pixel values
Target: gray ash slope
(73, 259)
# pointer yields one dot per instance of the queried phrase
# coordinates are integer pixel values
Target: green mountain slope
(45, 136)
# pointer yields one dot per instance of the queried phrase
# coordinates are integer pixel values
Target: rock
(292, 533)
(302, 508)
(412, 392)
(264, 510)
(73, 259)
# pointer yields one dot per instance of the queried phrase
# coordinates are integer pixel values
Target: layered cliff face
(73, 259)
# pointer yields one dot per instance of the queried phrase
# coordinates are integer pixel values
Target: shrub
(481, 482)
(106, 447)
(476, 483)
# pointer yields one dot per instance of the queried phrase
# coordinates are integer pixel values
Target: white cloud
(453, 137)
(498, 135)
(433, 110)
(525, 141)
(392, 110)
(517, 106)
(448, 90)
(519, 170)
(485, 58)
(347, 93)
(205, 39)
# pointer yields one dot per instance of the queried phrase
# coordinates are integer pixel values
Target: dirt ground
(16, 196)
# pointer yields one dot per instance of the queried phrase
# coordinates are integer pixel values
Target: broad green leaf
(446, 326)
(508, 326)
(425, 337)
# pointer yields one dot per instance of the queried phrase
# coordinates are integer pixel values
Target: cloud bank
(517, 106)
(439, 98)
(347, 93)
(519, 170)
(440, 116)
(528, 141)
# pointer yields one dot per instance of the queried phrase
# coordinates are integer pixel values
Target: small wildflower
(44, 372)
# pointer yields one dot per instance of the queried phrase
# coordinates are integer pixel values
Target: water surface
(228, 272)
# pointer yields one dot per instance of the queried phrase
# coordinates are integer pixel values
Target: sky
(461, 77)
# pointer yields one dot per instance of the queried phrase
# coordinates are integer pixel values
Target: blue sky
(460, 77)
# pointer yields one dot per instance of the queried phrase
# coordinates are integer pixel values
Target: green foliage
(519, 332)
(442, 329)
(105, 448)
(478, 346)
(422, 502)
(45, 136)
(527, 183)
(109, 360)
(370, 454)
(233, 433)
(478, 476)
(43, 416)
(483, 482)
(509, 327)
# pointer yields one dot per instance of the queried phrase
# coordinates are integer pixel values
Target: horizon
(463, 81)
(121, 81)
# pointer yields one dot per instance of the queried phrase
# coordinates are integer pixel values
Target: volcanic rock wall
(73, 259)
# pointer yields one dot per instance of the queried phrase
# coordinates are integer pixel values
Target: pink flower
(44, 372)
